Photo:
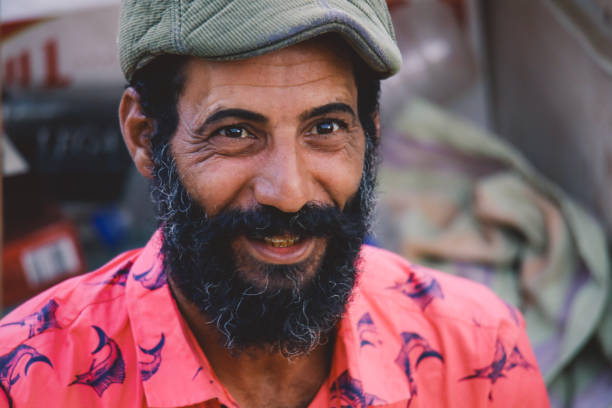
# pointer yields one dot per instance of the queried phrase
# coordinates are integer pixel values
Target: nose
(283, 180)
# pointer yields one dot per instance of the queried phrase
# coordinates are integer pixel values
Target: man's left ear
(137, 129)
(376, 119)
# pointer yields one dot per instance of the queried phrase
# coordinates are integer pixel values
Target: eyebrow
(325, 109)
(259, 118)
(232, 113)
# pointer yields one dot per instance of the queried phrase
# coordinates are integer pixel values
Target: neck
(258, 376)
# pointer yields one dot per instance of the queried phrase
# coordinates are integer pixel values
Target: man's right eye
(234, 132)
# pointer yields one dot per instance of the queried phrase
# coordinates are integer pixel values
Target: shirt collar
(175, 372)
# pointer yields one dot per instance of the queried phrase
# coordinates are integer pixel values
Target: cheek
(214, 184)
(351, 180)
(341, 175)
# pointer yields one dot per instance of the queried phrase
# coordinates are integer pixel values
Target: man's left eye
(324, 128)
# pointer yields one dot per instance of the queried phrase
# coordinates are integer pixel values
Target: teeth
(282, 242)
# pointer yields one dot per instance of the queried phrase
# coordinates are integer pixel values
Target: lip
(273, 255)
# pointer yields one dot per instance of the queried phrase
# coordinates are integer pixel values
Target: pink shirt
(411, 336)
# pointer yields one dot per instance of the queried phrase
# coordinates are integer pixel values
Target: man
(257, 123)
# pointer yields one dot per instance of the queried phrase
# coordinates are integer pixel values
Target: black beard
(282, 312)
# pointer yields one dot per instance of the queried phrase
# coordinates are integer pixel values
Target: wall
(551, 99)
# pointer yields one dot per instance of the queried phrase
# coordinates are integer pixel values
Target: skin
(281, 130)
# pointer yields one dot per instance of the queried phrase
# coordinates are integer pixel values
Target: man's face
(278, 130)
(264, 196)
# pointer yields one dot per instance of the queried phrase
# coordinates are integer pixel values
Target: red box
(38, 260)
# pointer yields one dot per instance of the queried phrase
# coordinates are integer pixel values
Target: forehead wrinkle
(278, 64)
(243, 72)
(293, 85)
(205, 107)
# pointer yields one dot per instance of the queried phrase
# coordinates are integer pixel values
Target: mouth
(279, 249)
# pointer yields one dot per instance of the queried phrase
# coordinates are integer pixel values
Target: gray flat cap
(237, 29)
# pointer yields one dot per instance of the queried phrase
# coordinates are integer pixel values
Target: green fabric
(466, 202)
(236, 29)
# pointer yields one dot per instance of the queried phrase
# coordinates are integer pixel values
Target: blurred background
(497, 160)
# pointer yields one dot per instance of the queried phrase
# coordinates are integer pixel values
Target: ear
(376, 120)
(136, 129)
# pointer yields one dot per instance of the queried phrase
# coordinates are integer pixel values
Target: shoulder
(49, 338)
(415, 288)
(454, 338)
(64, 305)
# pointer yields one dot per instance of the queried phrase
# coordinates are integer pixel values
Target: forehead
(313, 69)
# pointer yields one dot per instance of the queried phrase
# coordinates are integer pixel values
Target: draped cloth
(464, 201)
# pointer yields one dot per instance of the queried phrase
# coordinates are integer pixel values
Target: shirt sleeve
(521, 383)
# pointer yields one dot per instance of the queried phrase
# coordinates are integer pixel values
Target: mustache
(312, 220)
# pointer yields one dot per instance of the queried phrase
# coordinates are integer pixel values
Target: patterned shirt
(410, 336)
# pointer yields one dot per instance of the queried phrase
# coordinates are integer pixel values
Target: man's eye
(324, 128)
(234, 132)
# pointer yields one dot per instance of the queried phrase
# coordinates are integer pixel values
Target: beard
(290, 309)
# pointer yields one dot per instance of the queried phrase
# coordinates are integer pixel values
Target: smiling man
(257, 124)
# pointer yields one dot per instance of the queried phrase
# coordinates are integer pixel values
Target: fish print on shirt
(422, 289)
(119, 277)
(368, 335)
(153, 278)
(102, 373)
(16, 364)
(200, 368)
(414, 349)
(149, 368)
(40, 321)
(348, 392)
(502, 363)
